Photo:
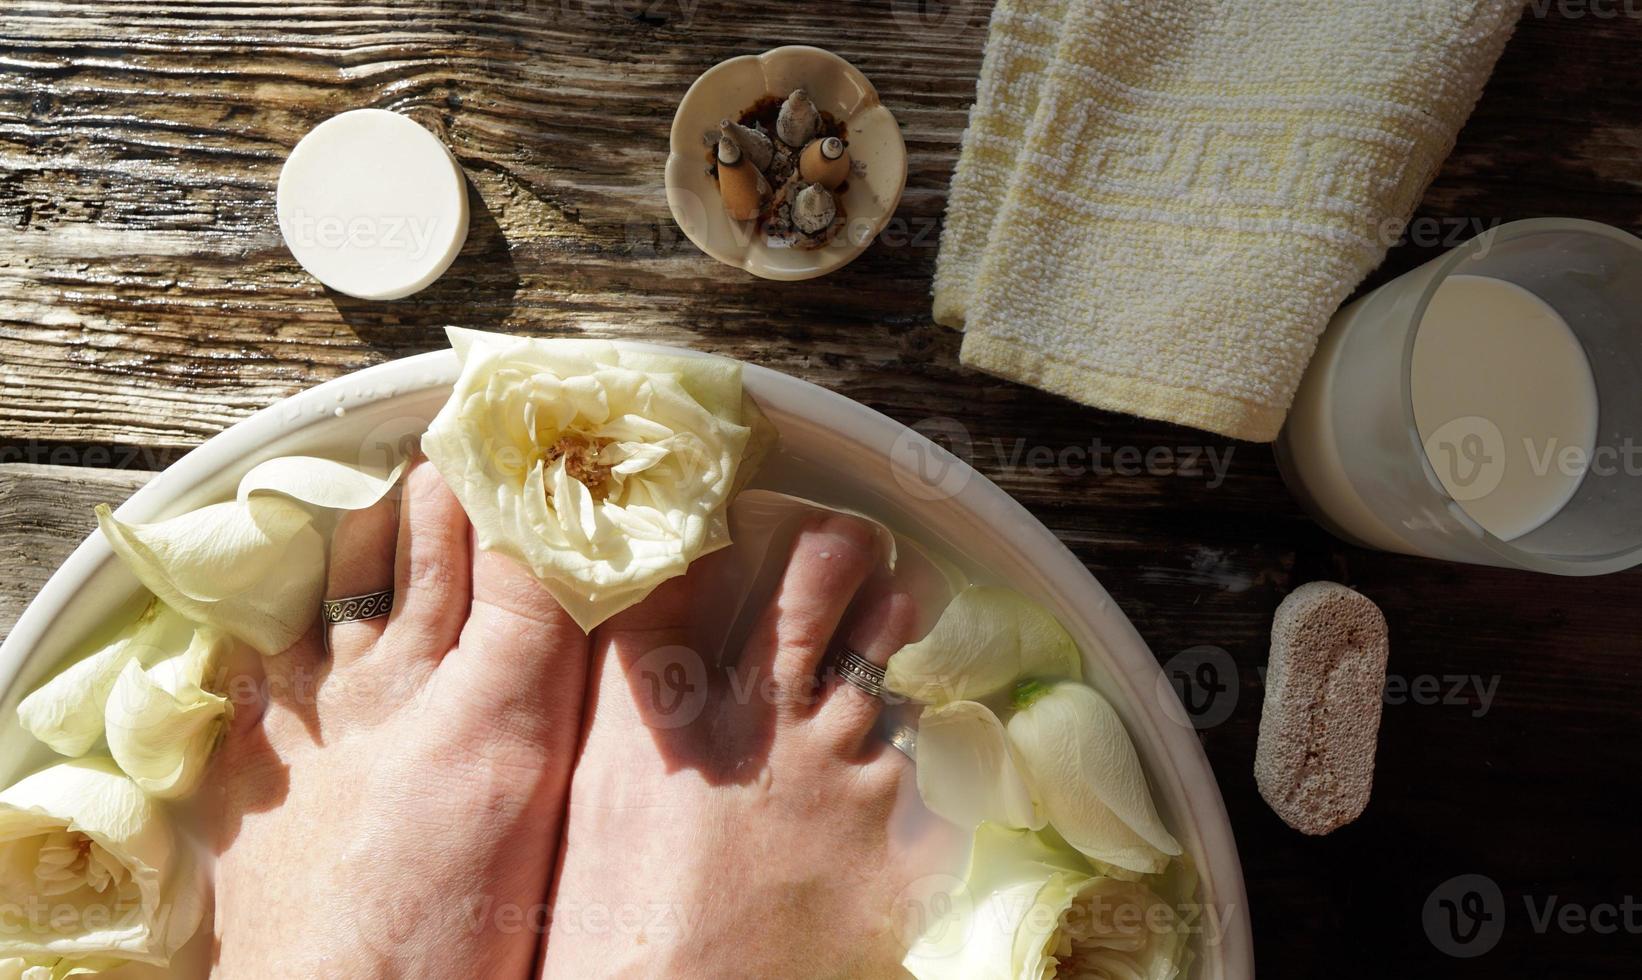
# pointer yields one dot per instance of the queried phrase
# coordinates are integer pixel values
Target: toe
(521, 658)
(361, 564)
(649, 652)
(847, 714)
(831, 557)
(433, 574)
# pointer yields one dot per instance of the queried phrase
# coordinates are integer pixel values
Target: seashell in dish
(843, 99)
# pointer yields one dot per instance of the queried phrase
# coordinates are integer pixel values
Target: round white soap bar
(373, 205)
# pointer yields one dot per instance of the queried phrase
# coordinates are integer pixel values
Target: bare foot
(735, 822)
(394, 810)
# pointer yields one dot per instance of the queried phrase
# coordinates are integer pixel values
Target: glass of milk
(1485, 407)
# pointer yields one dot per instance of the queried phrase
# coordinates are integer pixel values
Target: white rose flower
(163, 719)
(1031, 908)
(147, 692)
(253, 567)
(88, 870)
(604, 468)
(66, 712)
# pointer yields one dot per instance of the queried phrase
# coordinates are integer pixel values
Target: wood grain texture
(146, 303)
(45, 512)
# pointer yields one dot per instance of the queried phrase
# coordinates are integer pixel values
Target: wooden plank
(45, 512)
(142, 144)
(145, 298)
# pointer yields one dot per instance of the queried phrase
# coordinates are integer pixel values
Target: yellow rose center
(1101, 935)
(581, 461)
(69, 859)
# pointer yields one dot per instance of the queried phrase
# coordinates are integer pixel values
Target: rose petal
(316, 481)
(66, 713)
(162, 722)
(1079, 758)
(254, 570)
(253, 567)
(967, 771)
(986, 639)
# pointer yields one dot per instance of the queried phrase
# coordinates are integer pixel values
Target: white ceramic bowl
(834, 85)
(893, 473)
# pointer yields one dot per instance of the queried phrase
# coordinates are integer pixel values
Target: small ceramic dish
(730, 88)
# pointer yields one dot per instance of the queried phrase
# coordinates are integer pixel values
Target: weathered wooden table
(146, 303)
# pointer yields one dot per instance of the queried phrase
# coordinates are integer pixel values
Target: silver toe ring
(359, 608)
(905, 739)
(861, 673)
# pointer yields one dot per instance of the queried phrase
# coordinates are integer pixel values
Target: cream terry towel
(1160, 203)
